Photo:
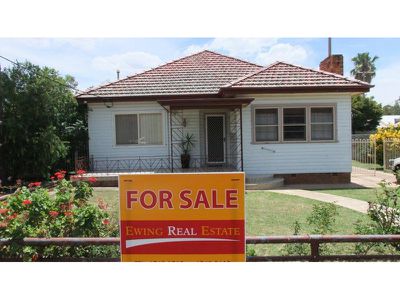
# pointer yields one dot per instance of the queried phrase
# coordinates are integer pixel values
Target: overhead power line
(16, 63)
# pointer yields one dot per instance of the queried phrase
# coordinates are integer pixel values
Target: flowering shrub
(390, 132)
(64, 213)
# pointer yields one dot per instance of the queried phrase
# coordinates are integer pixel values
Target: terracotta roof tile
(209, 73)
(202, 73)
(284, 75)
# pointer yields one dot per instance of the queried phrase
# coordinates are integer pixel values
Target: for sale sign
(182, 217)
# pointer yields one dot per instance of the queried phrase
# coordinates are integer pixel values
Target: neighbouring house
(281, 120)
(387, 120)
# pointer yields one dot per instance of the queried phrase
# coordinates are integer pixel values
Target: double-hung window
(322, 126)
(308, 123)
(294, 124)
(138, 129)
(266, 125)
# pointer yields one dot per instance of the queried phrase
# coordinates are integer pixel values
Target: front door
(215, 138)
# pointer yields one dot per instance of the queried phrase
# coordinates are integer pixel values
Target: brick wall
(333, 64)
(315, 178)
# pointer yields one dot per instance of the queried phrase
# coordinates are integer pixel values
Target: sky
(95, 61)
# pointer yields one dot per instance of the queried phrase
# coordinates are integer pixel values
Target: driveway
(370, 179)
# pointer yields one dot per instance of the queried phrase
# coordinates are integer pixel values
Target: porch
(215, 125)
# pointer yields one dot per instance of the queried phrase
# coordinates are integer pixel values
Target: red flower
(3, 224)
(60, 175)
(26, 202)
(106, 221)
(68, 213)
(53, 213)
(81, 172)
(52, 177)
(12, 217)
(32, 184)
(3, 210)
(35, 257)
(92, 180)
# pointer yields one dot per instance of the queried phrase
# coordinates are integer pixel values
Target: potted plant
(187, 145)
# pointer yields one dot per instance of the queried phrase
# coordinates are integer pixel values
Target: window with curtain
(266, 125)
(322, 124)
(138, 129)
(294, 124)
(150, 129)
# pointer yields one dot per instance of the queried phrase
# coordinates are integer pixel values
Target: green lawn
(267, 213)
(358, 164)
(359, 194)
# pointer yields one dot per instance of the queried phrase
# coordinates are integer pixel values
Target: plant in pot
(187, 145)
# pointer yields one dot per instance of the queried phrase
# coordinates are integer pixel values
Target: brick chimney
(333, 64)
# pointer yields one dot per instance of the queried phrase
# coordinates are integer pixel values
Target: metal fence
(313, 240)
(364, 156)
(391, 150)
(369, 156)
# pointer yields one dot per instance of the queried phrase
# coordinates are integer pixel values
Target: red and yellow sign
(182, 217)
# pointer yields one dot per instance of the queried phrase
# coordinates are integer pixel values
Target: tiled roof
(202, 73)
(210, 73)
(284, 75)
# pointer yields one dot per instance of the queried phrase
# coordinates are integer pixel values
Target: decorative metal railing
(158, 164)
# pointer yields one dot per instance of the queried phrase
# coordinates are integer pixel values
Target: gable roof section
(210, 74)
(288, 77)
(203, 73)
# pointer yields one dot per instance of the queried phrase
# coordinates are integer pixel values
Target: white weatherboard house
(281, 120)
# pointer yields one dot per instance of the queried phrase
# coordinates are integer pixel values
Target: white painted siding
(288, 158)
(300, 157)
(102, 131)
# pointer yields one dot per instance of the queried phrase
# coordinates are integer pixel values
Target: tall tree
(364, 67)
(39, 109)
(366, 112)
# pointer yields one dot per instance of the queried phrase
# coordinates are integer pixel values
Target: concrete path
(370, 178)
(357, 205)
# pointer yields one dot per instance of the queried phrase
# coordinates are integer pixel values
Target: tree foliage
(392, 109)
(364, 67)
(40, 119)
(366, 113)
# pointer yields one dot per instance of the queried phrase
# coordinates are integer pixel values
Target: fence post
(314, 250)
(384, 154)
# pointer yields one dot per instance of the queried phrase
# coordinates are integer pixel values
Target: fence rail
(313, 240)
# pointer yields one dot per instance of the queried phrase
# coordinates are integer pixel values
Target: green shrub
(65, 213)
(384, 214)
(250, 250)
(322, 220)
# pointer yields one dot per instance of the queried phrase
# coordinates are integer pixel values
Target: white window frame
(138, 113)
(277, 125)
(307, 108)
(333, 123)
